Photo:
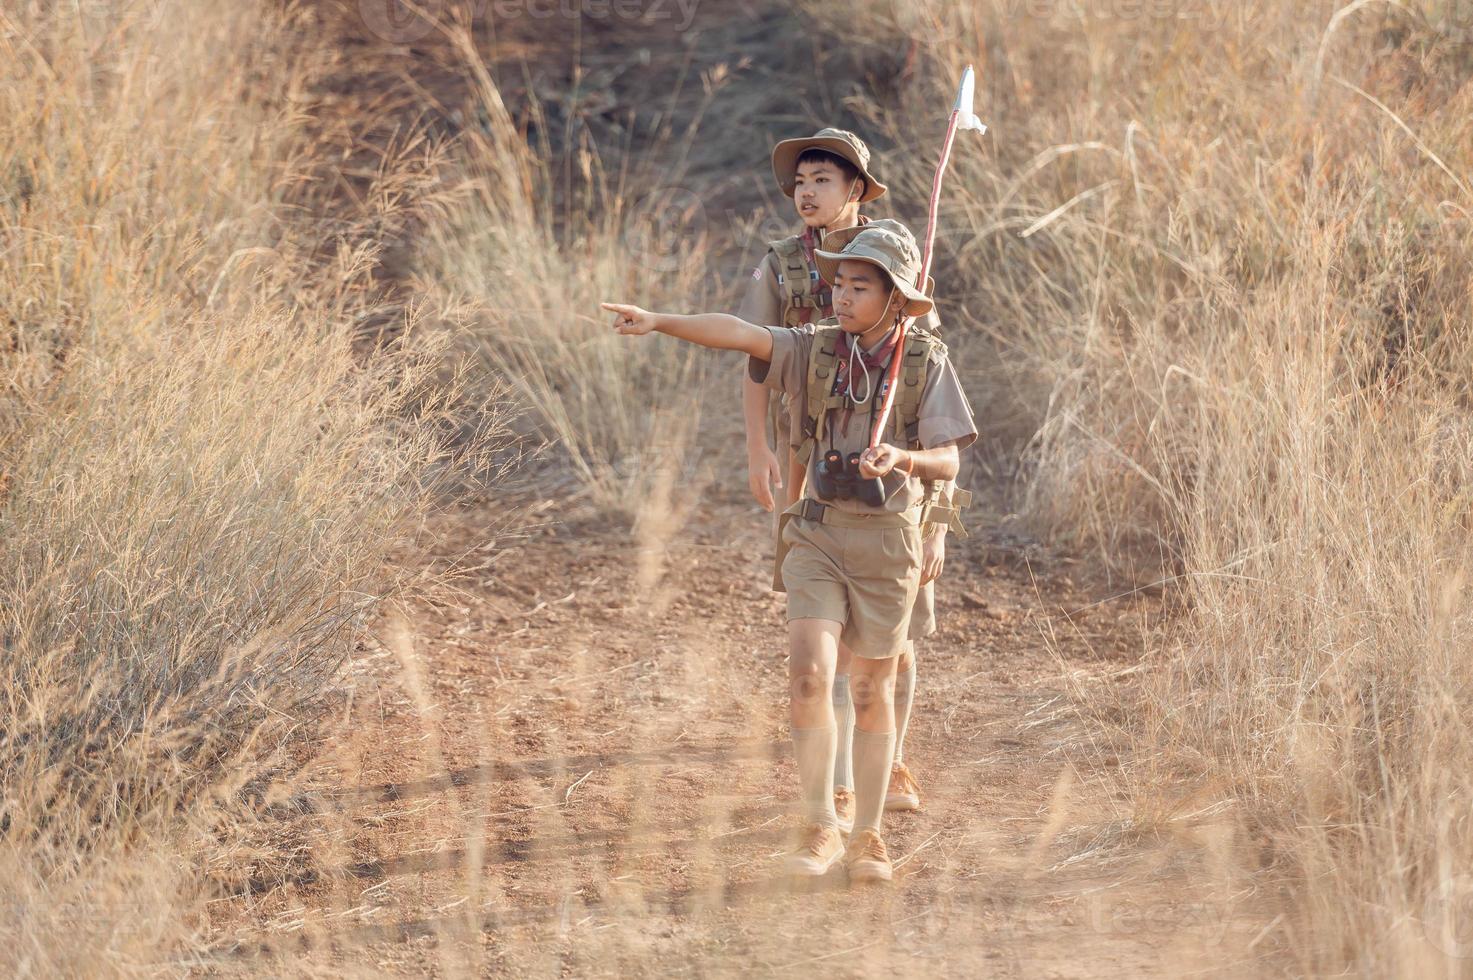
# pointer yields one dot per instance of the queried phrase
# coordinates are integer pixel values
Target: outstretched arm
(715, 330)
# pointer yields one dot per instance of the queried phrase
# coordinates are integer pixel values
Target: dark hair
(816, 154)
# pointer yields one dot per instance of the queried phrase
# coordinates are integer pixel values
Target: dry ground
(571, 770)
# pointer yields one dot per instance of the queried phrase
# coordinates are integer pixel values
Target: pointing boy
(828, 178)
(853, 565)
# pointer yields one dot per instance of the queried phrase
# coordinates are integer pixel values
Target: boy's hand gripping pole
(962, 117)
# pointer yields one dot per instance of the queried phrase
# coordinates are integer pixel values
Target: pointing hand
(630, 320)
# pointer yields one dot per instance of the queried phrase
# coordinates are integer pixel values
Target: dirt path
(561, 775)
(579, 765)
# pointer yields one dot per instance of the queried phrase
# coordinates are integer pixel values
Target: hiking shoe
(817, 852)
(844, 808)
(867, 858)
(904, 792)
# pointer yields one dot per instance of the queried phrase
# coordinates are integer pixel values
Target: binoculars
(838, 478)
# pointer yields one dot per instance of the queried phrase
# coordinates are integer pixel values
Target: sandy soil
(580, 767)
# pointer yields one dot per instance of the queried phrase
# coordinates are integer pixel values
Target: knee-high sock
(814, 750)
(872, 754)
(844, 718)
(905, 691)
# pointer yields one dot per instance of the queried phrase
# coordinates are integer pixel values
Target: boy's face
(821, 192)
(863, 297)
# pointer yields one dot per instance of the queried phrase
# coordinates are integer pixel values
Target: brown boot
(844, 807)
(904, 792)
(867, 858)
(819, 848)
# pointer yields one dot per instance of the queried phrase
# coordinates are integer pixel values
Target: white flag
(965, 118)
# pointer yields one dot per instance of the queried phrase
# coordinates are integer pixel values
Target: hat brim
(917, 303)
(785, 163)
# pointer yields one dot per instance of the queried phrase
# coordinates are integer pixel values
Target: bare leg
(905, 690)
(813, 646)
(844, 718)
(872, 685)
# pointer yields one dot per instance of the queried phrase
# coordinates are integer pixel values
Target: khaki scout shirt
(944, 415)
(762, 300)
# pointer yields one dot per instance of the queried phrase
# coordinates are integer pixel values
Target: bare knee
(812, 651)
(872, 689)
(808, 678)
(908, 657)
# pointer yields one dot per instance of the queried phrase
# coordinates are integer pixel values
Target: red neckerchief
(816, 285)
(875, 360)
(809, 240)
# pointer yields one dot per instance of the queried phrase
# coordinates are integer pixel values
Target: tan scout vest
(920, 345)
(795, 280)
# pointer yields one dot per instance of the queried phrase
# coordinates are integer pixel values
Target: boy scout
(827, 176)
(853, 565)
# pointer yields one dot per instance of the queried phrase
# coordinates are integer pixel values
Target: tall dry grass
(548, 225)
(200, 478)
(1221, 252)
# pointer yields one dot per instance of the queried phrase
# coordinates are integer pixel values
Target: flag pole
(961, 117)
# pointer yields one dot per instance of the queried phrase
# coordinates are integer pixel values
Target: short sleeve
(944, 415)
(761, 299)
(788, 369)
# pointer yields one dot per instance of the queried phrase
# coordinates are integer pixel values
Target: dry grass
(529, 253)
(201, 478)
(1226, 252)
(1215, 266)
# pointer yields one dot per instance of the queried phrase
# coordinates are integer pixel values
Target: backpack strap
(920, 347)
(822, 360)
(795, 283)
(943, 500)
(944, 503)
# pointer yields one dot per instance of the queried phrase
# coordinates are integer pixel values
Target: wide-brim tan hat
(887, 244)
(839, 142)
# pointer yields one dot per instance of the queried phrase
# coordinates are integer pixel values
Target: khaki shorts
(923, 616)
(865, 578)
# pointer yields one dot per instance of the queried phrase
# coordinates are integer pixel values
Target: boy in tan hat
(828, 177)
(854, 549)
